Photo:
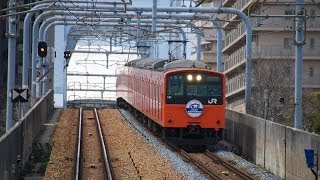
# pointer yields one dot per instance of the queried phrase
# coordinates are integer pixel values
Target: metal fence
(16, 144)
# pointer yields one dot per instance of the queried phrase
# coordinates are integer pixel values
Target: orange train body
(168, 98)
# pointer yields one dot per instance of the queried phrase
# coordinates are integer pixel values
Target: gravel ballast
(185, 168)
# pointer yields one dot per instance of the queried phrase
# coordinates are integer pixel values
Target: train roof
(165, 64)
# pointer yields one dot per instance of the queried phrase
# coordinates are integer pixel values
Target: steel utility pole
(299, 42)
(11, 34)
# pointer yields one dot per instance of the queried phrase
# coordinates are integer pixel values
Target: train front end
(194, 107)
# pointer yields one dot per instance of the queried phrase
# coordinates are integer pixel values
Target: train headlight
(198, 77)
(189, 77)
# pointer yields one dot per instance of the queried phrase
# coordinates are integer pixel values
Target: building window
(311, 43)
(288, 11)
(207, 47)
(311, 71)
(287, 43)
(255, 40)
(312, 13)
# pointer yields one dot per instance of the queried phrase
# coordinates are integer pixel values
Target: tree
(275, 77)
(311, 112)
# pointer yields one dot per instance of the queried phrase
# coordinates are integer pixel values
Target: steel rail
(195, 161)
(229, 166)
(79, 146)
(108, 167)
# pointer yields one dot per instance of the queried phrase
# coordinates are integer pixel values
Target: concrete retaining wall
(277, 148)
(16, 144)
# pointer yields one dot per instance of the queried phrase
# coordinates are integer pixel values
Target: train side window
(149, 84)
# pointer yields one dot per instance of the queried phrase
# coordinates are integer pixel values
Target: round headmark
(194, 108)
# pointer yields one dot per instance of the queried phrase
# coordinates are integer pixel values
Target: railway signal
(42, 49)
(67, 55)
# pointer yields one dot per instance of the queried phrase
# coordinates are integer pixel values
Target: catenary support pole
(26, 49)
(154, 16)
(12, 25)
(198, 33)
(184, 42)
(299, 41)
(198, 36)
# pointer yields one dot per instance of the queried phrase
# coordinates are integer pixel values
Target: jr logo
(213, 100)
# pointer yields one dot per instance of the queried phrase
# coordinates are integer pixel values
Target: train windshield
(205, 87)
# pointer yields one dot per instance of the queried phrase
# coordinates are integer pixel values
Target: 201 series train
(182, 100)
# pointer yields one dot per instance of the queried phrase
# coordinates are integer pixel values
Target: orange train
(182, 100)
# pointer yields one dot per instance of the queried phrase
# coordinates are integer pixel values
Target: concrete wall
(277, 148)
(16, 144)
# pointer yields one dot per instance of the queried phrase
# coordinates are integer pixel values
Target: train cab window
(197, 90)
(175, 85)
(206, 88)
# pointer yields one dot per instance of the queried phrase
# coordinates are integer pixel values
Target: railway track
(239, 173)
(91, 162)
(212, 165)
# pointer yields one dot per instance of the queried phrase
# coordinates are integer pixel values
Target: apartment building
(273, 48)
(208, 37)
(273, 51)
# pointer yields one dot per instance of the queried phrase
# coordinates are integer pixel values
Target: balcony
(238, 58)
(234, 60)
(278, 52)
(237, 103)
(281, 23)
(236, 84)
(228, 3)
(234, 39)
(209, 56)
(242, 5)
(309, 81)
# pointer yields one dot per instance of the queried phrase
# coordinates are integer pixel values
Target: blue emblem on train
(194, 108)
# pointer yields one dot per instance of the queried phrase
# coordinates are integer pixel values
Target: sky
(94, 64)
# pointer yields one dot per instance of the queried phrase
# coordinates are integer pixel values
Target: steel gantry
(104, 15)
(135, 14)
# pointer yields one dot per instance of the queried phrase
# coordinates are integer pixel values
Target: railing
(265, 24)
(266, 52)
(240, 4)
(232, 35)
(237, 5)
(95, 101)
(235, 58)
(235, 102)
(78, 86)
(274, 51)
(235, 83)
(311, 79)
(281, 22)
(209, 56)
(92, 97)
